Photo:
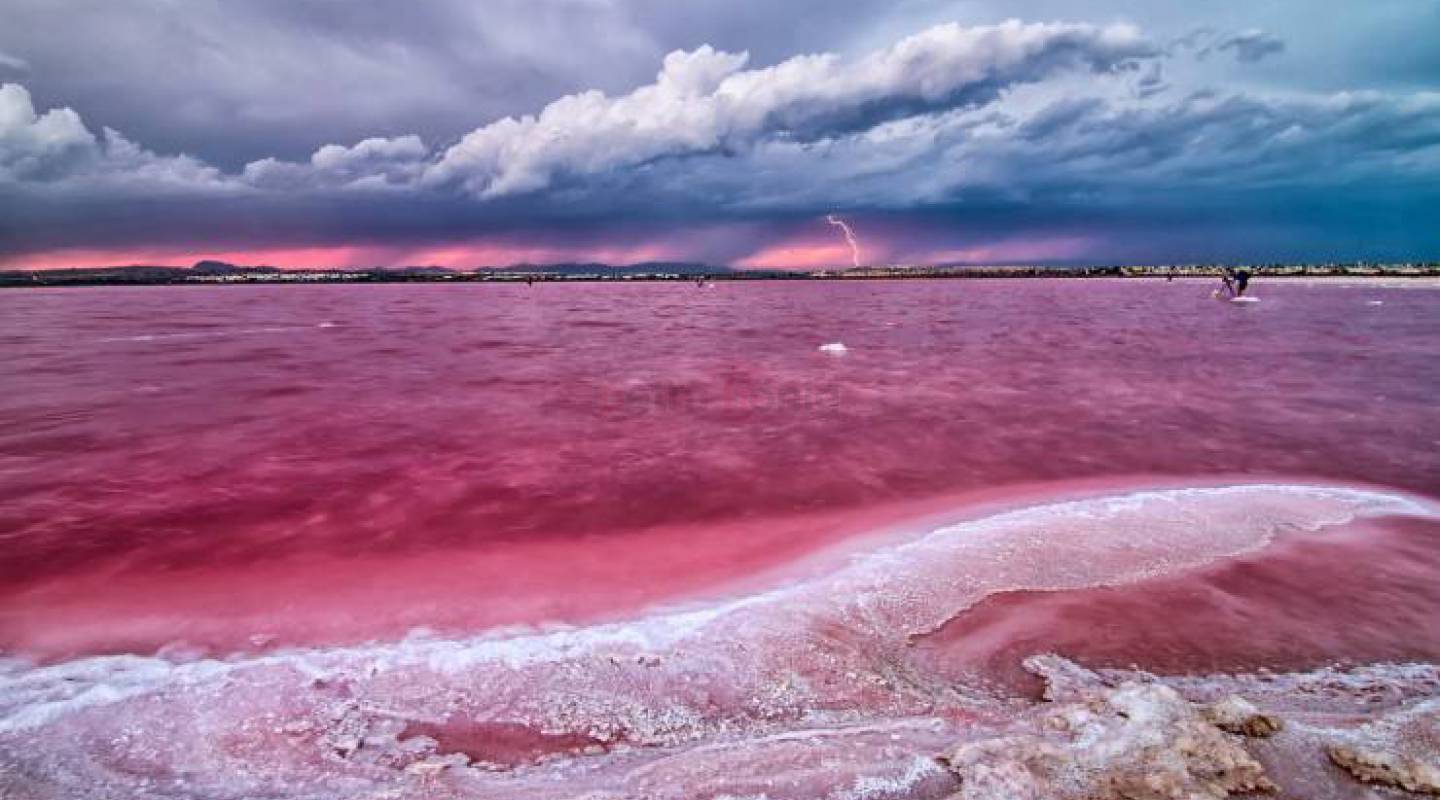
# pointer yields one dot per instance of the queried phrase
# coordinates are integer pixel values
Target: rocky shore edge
(1129, 735)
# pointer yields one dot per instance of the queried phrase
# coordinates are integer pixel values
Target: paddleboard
(1225, 298)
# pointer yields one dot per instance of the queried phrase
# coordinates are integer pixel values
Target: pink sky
(827, 250)
(812, 247)
(473, 254)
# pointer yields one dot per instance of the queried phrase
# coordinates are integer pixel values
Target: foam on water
(217, 334)
(609, 707)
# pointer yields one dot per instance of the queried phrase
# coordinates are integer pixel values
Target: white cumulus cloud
(372, 163)
(39, 145)
(705, 101)
(56, 146)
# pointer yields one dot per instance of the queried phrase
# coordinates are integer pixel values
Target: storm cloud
(703, 101)
(1252, 45)
(986, 140)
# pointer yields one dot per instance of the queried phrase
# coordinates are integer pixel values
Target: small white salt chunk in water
(836, 348)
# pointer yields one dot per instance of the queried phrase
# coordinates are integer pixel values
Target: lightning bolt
(849, 237)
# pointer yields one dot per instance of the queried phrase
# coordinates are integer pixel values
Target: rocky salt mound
(1132, 736)
(1134, 740)
(812, 690)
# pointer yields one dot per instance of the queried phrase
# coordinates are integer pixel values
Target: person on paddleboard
(1241, 277)
(1236, 280)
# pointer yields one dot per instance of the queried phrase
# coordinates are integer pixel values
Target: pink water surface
(612, 541)
(237, 467)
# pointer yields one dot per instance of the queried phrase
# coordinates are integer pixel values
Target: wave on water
(217, 334)
(809, 690)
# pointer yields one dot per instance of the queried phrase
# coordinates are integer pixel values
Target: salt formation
(813, 689)
(1235, 714)
(1398, 750)
(1137, 742)
(1126, 735)
(1387, 768)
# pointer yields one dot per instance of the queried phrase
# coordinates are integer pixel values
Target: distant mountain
(130, 273)
(124, 274)
(222, 268)
(597, 268)
(412, 270)
(211, 270)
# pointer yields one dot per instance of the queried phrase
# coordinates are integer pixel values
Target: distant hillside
(211, 271)
(126, 274)
(222, 268)
(597, 268)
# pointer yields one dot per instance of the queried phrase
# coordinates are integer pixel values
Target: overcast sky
(464, 133)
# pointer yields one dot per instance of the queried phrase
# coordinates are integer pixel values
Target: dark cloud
(236, 82)
(447, 123)
(703, 101)
(1251, 46)
(1248, 46)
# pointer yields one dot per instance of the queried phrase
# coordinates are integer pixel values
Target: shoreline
(98, 612)
(181, 276)
(815, 689)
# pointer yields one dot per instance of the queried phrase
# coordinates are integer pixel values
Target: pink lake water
(581, 525)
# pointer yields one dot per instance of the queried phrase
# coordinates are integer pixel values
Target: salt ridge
(30, 696)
